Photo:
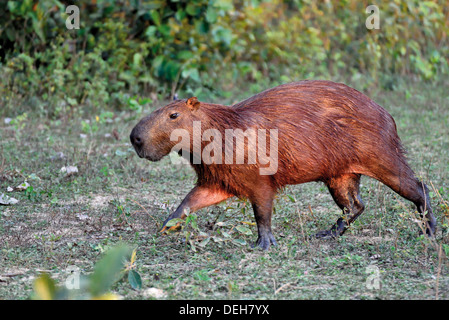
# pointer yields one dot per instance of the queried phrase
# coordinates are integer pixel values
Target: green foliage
(202, 47)
(107, 271)
(223, 232)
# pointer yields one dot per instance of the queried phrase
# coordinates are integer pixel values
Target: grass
(63, 221)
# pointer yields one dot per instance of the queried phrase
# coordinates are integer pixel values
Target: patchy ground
(64, 220)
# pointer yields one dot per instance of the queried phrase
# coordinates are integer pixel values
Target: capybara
(323, 131)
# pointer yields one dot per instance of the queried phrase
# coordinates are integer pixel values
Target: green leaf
(151, 31)
(37, 26)
(156, 17)
(180, 14)
(13, 7)
(164, 29)
(204, 243)
(211, 15)
(192, 9)
(71, 101)
(244, 230)
(185, 55)
(192, 74)
(225, 234)
(137, 59)
(239, 242)
(134, 280)
(10, 34)
(174, 222)
(108, 270)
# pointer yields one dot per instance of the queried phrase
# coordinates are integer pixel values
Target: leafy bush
(128, 48)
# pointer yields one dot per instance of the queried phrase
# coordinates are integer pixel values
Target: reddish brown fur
(327, 132)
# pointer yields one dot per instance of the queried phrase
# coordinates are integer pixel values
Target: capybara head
(151, 136)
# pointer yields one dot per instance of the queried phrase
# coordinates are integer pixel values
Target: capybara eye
(174, 115)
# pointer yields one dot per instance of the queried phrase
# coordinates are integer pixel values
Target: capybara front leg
(416, 191)
(199, 197)
(262, 213)
(345, 192)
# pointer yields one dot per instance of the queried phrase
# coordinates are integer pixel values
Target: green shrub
(204, 47)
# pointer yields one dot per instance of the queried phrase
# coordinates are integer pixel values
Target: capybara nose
(136, 141)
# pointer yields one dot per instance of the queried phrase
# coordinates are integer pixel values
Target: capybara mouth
(150, 157)
(140, 153)
(143, 155)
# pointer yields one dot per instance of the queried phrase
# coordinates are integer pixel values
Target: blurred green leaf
(44, 288)
(244, 230)
(156, 17)
(108, 270)
(192, 9)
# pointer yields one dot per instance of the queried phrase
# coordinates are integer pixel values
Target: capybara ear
(193, 103)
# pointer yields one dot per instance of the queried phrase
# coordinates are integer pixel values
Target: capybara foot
(326, 234)
(264, 241)
(337, 230)
(430, 230)
(172, 228)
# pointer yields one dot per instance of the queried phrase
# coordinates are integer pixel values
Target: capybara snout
(322, 131)
(152, 136)
(136, 141)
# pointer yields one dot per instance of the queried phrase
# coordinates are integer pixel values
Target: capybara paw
(326, 234)
(172, 228)
(430, 230)
(265, 241)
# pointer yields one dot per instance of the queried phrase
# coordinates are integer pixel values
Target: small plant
(117, 262)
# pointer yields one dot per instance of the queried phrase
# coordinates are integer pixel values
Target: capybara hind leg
(345, 192)
(199, 197)
(415, 191)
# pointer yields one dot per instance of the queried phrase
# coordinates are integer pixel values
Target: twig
(157, 223)
(282, 288)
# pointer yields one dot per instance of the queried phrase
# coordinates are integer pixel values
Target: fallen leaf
(23, 186)
(69, 170)
(82, 216)
(7, 200)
